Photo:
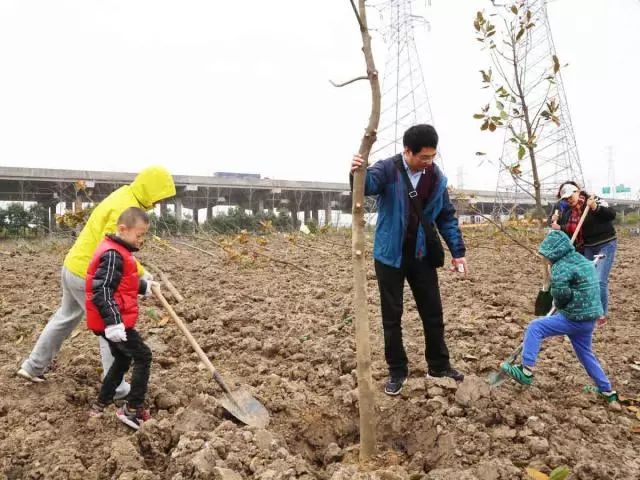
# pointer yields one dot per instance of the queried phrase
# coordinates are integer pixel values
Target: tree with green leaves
(524, 98)
(3, 219)
(17, 219)
(39, 217)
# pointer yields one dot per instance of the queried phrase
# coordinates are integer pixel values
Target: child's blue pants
(580, 334)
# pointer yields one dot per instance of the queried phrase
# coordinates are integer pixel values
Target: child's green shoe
(517, 373)
(610, 397)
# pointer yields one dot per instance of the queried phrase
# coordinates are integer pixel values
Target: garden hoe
(239, 403)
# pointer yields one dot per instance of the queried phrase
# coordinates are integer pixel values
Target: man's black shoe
(394, 385)
(447, 372)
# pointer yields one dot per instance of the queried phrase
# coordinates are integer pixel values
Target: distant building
(236, 175)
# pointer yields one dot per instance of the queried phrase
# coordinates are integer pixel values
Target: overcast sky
(204, 86)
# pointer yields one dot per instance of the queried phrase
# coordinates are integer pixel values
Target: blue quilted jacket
(384, 180)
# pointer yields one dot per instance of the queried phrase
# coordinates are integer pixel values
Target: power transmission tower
(556, 153)
(405, 101)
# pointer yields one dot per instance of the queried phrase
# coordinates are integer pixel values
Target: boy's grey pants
(60, 326)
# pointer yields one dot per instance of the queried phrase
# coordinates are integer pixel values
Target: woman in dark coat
(597, 236)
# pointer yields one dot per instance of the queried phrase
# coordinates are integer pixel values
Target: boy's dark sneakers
(32, 378)
(447, 372)
(518, 373)
(394, 385)
(133, 418)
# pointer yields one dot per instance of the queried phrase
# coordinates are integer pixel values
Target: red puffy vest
(126, 295)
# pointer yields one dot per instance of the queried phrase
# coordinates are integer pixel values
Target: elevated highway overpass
(50, 187)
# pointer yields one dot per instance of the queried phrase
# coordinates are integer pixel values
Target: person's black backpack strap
(433, 244)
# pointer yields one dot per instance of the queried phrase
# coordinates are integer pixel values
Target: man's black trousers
(423, 280)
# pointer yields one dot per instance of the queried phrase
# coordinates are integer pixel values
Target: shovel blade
(242, 405)
(495, 379)
(544, 302)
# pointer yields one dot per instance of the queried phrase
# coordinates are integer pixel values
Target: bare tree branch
(497, 51)
(542, 104)
(255, 252)
(504, 76)
(503, 230)
(535, 127)
(206, 252)
(363, 77)
(363, 28)
(493, 54)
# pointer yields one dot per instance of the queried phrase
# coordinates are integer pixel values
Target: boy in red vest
(112, 287)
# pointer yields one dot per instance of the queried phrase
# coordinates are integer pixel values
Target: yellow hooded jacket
(150, 186)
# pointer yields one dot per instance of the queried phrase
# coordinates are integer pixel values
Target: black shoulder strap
(413, 195)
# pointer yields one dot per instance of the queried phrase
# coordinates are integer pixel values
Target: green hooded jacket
(575, 286)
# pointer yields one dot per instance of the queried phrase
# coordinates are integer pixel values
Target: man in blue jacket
(400, 248)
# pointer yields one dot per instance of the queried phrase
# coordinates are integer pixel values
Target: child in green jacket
(576, 294)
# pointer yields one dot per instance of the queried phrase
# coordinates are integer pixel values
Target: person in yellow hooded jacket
(150, 186)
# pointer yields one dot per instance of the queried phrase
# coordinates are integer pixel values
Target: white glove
(148, 291)
(116, 333)
(147, 277)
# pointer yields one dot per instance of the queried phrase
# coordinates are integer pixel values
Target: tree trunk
(363, 347)
(539, 212)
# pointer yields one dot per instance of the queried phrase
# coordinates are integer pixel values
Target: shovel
(239, 403)
(495, 379)
(544, 300)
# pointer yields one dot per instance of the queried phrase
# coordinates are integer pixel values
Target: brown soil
(288, 335)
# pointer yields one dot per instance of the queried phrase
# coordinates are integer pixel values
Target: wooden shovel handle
(584, 215)
(178, 321)
(546, 278)
(179, 298)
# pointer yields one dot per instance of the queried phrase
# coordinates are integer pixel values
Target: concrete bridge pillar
(53, 225)
(327, 214)
(178, 209)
